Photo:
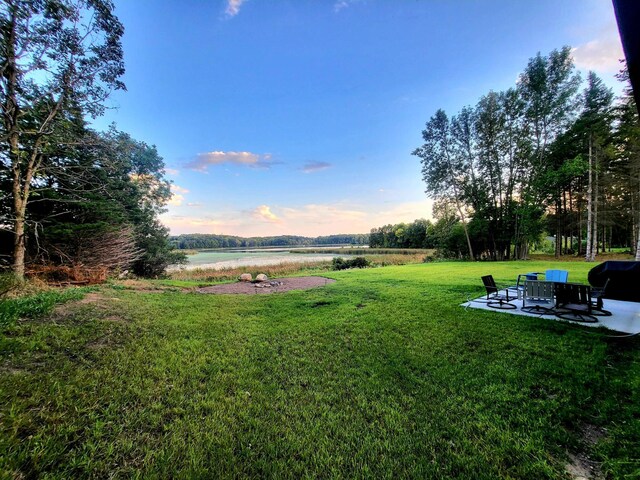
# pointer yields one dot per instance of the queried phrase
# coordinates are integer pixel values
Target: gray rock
(261, 277)
(246, 277)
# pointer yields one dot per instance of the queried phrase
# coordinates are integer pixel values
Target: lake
(233, 258)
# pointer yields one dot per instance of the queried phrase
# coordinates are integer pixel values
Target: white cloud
(175, 200)
(183, 224)
(233, 7)
(172, 171)
(313, 167)
(203, 161)
(263, 212)
(320, 214)
(177, 196)
(602, 54)
(178, 189)
(339, 5)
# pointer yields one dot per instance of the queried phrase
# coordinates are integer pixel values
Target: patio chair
(538, 297)
(518, 289)
(495, 298)
(573, 302)
(597, 305)
(558, 276)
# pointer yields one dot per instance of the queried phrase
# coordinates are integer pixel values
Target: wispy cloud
(194, 204)
(184, 224)
(601, 54)
(330, 214)
(263, 212)
(313, 167)
(339, 5)
(172, 171)
(177, 196)
(233, 8)
(203, 161)
(178, 189)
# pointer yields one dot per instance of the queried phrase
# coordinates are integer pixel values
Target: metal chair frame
(597, 305)
(573, 302)
(495, 299)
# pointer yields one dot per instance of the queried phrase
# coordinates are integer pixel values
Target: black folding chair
(597, 304)
(495, 297)
(573, 302)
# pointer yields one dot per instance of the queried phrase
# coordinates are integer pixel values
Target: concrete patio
(625, 316)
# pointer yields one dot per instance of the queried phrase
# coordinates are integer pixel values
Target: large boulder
(246, 277)
(261, 277)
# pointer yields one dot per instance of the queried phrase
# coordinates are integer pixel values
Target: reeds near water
(289, 268)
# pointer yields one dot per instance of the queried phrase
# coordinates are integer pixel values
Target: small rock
(246, 277)
(261, 277)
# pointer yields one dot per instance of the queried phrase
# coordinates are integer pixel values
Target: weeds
(34, 306)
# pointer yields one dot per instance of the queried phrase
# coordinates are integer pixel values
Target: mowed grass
(379, 375)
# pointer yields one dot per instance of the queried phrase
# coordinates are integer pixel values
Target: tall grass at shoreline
(290, 268)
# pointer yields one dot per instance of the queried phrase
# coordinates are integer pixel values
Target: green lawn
(379, 375)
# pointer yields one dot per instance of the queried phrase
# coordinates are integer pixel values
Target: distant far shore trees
(204, 240)
(72, 197)
(551, 156)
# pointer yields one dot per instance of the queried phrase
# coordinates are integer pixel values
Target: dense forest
(554, 155)
(75, 202)
(201, 240)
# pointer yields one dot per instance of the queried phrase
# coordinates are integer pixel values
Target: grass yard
(380, 375)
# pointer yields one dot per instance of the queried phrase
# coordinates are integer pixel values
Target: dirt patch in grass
(92, 297)
(279, 285)
(581, 466)
(101, 306)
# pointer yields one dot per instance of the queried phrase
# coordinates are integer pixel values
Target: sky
(298, 117)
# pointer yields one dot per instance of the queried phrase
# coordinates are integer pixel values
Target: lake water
(219, 259)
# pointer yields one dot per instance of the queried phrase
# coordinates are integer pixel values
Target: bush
(339, 263)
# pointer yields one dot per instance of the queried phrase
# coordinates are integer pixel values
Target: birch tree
(443, 170)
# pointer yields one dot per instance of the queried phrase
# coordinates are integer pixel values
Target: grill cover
(624, 279)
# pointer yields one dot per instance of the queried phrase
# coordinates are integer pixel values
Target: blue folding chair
(556, 276)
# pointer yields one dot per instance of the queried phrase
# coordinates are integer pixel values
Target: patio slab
(625, 316)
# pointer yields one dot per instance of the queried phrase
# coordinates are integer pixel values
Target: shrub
(339, 263)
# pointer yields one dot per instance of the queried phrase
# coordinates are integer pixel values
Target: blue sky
(299, 117)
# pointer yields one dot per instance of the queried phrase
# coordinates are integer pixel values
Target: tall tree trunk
(638, 233)
(588, 255)
(558, 246)
(11, 113)
(595, 249)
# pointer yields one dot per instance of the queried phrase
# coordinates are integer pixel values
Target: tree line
(202, 240)
(72, 196)
(551, 155)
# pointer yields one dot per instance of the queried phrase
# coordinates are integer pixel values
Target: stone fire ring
(285, 285)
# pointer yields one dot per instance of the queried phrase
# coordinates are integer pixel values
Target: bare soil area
(279, 285)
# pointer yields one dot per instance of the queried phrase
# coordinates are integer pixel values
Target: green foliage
(339, 263)
(418, 234)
